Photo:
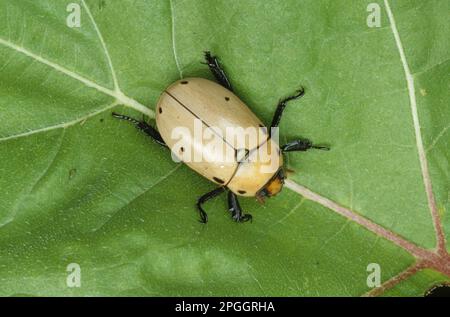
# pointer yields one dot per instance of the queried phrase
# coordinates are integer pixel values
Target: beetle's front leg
(143, 126)
(282, 104)
(235, 208)
(302, 145)
(216, 69)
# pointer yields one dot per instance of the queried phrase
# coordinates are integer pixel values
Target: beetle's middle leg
(143, 126)
(235, 208)
(302, 145)
(204, 199)
(216, 69)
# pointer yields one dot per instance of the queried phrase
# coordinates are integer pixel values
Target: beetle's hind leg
(216, 69)
(235, 208)
(204, 199)
(144, 127)
(302, 145)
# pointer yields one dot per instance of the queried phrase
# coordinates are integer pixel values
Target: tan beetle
(216, 108)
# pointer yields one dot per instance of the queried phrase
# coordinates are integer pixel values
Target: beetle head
(272, 187)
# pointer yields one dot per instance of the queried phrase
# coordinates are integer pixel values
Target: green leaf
(78, 186)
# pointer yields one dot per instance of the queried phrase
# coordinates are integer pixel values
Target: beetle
(215, 104)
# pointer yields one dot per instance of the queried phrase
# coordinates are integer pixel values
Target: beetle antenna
(289, 172)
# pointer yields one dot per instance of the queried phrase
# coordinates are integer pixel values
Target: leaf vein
(440, 238)
(158, 181)
(13, 213)
(118, 95)
(60, 125)
(105, 49)
(174, 47)
(440, 135)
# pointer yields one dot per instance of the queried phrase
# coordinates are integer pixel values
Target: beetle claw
(246, 218)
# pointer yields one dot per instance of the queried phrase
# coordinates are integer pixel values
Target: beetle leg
(216, 69)
(282, 104)
(302, 145)
(204, 199)
(235, 208)
(144, 127)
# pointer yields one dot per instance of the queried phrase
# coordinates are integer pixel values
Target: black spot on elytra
(242, 192)
(220, 181)
(184, 82)
(182, 149)
(227, 98)
(160, 110)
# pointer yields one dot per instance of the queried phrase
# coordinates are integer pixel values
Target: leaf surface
(81, 187)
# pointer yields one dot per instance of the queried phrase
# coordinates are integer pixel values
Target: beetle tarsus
(302, 145)
(124, 117)
(217, 70)
(144, 127)
(203, 214)
(203, 199)
(235, 208)
(282, 104)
